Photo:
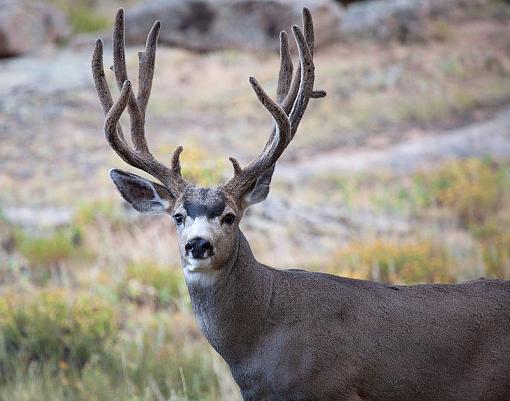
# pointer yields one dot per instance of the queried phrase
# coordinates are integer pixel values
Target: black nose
(199, 248)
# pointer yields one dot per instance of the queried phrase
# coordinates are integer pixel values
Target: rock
(40, 217)
(386, 19)
(25, 26)
(403, 20)
(227, 24)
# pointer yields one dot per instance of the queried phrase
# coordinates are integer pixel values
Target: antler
(139, 157)
(292, 96)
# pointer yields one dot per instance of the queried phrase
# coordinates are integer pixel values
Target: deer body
(293, 335)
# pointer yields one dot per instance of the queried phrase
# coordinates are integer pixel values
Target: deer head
(206, 219)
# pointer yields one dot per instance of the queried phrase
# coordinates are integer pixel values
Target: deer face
(206, 219)
(207, 228)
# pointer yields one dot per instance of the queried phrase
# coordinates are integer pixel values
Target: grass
(46, 254)
(494, 239)
(199, 168)
(83, 15)
(469, 197)
(124, 334)
(473, 189)
(52, 326)
(147, 283)
(90, 212)
(76, 347)
(394, 262)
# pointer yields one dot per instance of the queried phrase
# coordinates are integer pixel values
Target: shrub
(52, 327)
(45, 253)
(88, 213)
(83, 15)
(472, 188)
(495, 242)
(84, 19)
(393, 262)
(198, 168)
(149, 283)
(155, 357)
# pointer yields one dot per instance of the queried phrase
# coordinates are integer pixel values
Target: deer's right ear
(144, 195)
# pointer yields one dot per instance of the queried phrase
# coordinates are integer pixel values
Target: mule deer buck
(292, 335)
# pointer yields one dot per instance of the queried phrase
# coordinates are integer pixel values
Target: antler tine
(310, 40)
(244, 177)
(146, 61)
(139, 157)
(289, 100)
(286, 68)
(307, 70)
(102, 89)
(136, 119)
(284, 75)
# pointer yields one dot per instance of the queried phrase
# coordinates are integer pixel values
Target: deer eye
(229, 219)
(179, 219)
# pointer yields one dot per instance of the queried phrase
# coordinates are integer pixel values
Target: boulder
(205, 25)
(26, 26)
(404, 20)
(386, 19)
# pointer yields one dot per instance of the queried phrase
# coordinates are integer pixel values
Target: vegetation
(76, 348)
(394, 262)
(51, 327)
(45, 254)
(92, 311)
(88, 213)
(473, 189)
(199, 168)
(147, 283)
(120, 326)
(494, 239)
(83, 15)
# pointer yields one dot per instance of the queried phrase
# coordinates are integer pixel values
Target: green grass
(46, 253)
(61, 346)
(84, 15)
(54, 327)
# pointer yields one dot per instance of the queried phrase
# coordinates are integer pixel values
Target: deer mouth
(203, 264)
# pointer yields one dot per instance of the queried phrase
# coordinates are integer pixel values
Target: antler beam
(292, 96)
(139, 157)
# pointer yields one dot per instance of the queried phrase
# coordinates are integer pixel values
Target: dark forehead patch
(208, 202)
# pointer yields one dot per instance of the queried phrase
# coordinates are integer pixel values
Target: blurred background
(401, 174)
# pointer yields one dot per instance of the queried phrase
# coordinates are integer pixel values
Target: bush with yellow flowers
(199, 168)
(394, 262)
(472, 188)
(494, 239)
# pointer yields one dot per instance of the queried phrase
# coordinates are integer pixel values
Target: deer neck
(231, 309)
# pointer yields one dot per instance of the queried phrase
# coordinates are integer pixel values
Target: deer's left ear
(144, 195)
(260, 189)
